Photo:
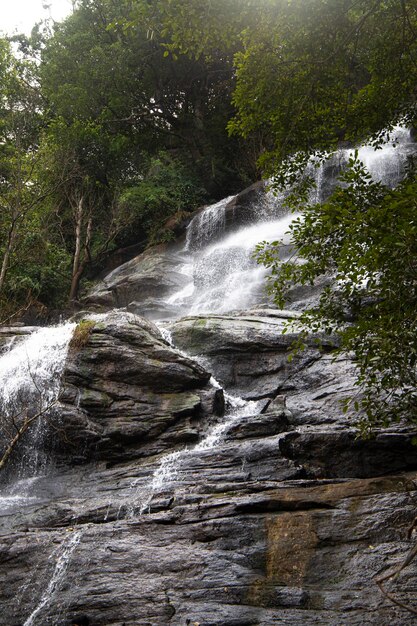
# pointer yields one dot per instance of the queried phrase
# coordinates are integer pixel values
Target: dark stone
(341, 454)
(248, 352)
(127, 393)
(80, 620)
(287, 520)
(262, 425)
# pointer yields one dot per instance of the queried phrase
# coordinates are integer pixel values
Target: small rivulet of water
(30, 378)
(169, 468)
(61, 556)
(168, 471)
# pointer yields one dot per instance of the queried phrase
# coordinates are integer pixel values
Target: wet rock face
(247, 539)
(287, 519)
(250, 355)
(127, 393)
(147, 277)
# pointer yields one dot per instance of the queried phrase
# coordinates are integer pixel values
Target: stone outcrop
(145, 279)
(246, 539)
(127, 393)
(251, 357)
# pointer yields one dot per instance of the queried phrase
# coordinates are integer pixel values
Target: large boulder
(126, 392)
(150, 276)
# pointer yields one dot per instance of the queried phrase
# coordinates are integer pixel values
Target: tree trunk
(80, 260)
(6, 256)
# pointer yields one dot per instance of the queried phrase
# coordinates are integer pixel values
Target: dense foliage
(105, 135)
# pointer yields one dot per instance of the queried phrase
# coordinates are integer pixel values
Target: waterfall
(30, 375)
(169, 467)
(32, 369)
(388, 164)
(223, 273)
(207, 224)
(223, 276)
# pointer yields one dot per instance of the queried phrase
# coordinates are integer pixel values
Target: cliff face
(167, 497)
(158, 510)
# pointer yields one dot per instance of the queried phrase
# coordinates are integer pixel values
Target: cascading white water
(207, 223)
(169, 467)
(30, 379)
(226, 277)
(223, 273)
(387, 164)
(30, 375)
(31, 371)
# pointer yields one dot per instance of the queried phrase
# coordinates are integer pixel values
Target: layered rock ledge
(287, 519)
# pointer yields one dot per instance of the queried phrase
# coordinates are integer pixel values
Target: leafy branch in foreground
(364, 238)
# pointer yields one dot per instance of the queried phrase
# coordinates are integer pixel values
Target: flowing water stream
(30, 375)
(168, 472)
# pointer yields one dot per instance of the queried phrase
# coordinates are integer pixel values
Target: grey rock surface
(126, 393)
(144, 280)
(286, 518)
(250, 355)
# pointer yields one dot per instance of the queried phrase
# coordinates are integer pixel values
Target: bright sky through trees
(21, 15)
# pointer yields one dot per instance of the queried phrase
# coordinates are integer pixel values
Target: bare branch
(21, 431)
(412, 553)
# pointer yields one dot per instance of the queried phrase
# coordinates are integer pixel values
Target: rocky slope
(287, 519)
(170, 498)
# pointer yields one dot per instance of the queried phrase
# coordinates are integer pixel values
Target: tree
(319, 73)
(23, 249)
(76, 160)
(115, 102)
(107, 64)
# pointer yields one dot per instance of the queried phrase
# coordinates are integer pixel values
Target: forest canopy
(131, 111)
